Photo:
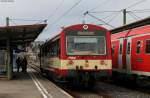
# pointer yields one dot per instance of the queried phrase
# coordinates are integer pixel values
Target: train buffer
(30, 85)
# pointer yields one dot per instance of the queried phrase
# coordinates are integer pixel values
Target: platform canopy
(20, 35)
(139, 23)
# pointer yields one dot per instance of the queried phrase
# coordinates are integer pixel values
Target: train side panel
(135, 54)
(140, 59)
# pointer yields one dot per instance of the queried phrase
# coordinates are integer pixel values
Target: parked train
(131, 53)
(79, 54)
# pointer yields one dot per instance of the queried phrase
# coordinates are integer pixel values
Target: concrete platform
(30, 85)
(20, 87)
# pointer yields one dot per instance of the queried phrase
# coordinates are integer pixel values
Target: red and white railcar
(80, 53)
(131, 51)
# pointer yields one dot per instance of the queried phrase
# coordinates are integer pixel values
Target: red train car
(131, 51)
(80, 53)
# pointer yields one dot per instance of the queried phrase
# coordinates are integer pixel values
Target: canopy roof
(20, 35)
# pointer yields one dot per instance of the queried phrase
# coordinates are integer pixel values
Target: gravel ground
(120, 92)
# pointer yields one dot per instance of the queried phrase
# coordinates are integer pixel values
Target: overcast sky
(54, 10)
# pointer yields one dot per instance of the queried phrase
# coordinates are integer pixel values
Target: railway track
(83, 92)
(76, 93)
(101, 90)
(139, 87)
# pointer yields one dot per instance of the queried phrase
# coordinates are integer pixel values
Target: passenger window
(147, 50)
(113, 49)
(128, 48)
(138, 47)
(120, 51)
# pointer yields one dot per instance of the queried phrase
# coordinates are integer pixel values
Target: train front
(86, 53)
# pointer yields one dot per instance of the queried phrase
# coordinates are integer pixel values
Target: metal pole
(124, 16)
(7, 21)
(9, 66)
(8, 60)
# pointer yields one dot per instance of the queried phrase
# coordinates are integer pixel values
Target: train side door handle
(139, 60)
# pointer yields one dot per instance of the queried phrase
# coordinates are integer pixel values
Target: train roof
(136, 31)
(136, 24)
(51, 40)
(80, 26)
(118, 35)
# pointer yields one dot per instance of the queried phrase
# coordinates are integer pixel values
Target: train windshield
(86, 45)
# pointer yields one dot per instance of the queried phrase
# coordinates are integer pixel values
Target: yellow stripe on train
(86, 64)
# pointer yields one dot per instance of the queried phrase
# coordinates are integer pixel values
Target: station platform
(30, 85)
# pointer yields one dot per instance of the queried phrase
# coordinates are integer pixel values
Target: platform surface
(24, 86)
(20, 87)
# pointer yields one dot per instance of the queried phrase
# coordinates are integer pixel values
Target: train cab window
(138, 47)
(147, 49)
(120, 51)
(86, 45)
(128, 48)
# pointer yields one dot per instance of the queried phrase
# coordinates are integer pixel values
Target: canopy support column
(9, 61)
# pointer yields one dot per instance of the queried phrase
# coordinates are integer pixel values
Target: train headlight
(70, 62)
(102, 62)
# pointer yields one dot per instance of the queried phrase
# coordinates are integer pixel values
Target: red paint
(115, 55)
(109, 71)
(136, 34)
(144, 64)
(91, 27)
(124, 54)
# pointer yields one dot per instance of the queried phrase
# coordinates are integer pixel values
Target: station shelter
(15, 38)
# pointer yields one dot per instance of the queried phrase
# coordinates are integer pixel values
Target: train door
(115, 49)
(141, 54)
(137, 54)
(128, 55)
(120, 53)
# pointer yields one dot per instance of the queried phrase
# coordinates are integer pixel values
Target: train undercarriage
(77, 78)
